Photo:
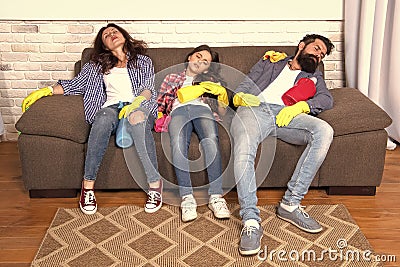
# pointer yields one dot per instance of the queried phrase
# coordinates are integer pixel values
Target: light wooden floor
(24, 221)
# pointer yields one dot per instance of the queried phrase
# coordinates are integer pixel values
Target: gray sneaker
(250, 240)
(299, 218)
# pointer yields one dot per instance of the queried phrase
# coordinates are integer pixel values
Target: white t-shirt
(188, 82)
(273, 93)
(118, 86)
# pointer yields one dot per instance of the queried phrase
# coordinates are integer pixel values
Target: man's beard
(307, 62)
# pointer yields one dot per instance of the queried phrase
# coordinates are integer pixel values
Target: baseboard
(332, 190)
(352, 190)
(53, 193)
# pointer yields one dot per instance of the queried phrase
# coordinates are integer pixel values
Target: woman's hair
(213, 72)
(101, 55)
(214, 54)
(209, 76)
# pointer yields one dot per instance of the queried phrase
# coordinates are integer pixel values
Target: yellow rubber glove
(159, 122)
(34, 96)
(213, 88)
(286, 114)
(126, 110)
(216, 89)
(188, 93)
(223, 99)
(247, 100)
(274, 56)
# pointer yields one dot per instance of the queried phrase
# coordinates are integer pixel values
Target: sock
(153, 184)
(188, 196)
(288, 207)
(88, 187)
(253, 223)
(158, 188)
(214, 196)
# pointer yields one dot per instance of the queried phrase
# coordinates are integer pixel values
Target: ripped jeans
(104, 125)
(185, 120)
(250, 127)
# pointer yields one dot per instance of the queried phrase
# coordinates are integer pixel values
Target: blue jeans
(104, 125)
(250, 127)
(185, 120)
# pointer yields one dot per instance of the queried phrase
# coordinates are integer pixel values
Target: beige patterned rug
(127, 236)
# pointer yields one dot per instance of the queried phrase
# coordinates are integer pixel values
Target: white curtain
(372, 54)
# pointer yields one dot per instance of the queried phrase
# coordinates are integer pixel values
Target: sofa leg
(352, 190)
(53, 193)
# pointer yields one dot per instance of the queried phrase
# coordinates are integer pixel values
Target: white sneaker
(218, 206)
(188, 206)
(390, 145)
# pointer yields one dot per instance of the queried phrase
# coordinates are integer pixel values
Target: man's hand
(126, 110)
(286, 114)
(216, 89)
(34, 96)
(188, 93)
(247, 100)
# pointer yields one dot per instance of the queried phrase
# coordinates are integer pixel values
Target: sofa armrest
(353, 112)
(57, 116)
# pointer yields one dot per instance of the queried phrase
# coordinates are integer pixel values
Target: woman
(195, 115)
(118, 72)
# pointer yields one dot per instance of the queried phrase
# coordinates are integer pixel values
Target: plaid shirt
(167, 94)
(90, 83)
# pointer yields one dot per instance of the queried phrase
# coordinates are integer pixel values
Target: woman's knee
(137, 117)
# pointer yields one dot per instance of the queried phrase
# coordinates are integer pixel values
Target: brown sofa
(54, 136)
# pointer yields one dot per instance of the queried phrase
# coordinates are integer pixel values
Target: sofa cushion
(56, 116)
(353, 112)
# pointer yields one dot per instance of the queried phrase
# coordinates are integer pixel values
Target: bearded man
(261, 113)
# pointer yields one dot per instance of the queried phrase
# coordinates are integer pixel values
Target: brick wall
(34, 54)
